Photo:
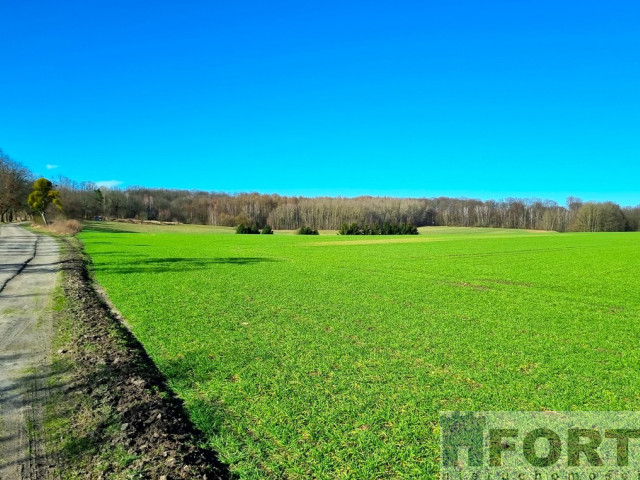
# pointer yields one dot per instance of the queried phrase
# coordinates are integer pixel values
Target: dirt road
(29, 267)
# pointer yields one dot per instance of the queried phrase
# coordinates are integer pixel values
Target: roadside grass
(302, 357)
(79, 429)
(70, 415)
(110, 414)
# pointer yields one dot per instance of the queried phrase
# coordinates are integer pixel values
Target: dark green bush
(378, 229)
(247, 229)
(353, 229)
(267, 230)
(304, 230)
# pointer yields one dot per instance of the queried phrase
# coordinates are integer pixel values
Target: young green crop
(331, 356)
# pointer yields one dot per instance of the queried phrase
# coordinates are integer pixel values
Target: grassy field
(330, 357)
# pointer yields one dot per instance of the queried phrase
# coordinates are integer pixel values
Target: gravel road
(29, 267)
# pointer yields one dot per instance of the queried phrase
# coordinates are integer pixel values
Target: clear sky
(483, 99)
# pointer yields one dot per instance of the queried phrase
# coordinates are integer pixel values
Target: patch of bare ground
(506, 282)
(115, 415)
(373, 241)
(474, 286)
(146, 222)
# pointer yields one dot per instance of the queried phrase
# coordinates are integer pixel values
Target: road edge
(112, 414)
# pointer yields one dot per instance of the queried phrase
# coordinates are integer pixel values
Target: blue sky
(463, 98)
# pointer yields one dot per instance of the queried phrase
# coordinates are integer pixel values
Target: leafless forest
(84, 200)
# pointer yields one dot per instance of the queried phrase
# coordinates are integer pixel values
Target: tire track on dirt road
(29, 266)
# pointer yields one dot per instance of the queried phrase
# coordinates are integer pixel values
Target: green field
(330, 357)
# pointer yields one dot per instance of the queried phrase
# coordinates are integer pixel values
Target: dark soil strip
(125, 422)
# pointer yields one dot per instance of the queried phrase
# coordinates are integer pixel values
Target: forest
(85, 201)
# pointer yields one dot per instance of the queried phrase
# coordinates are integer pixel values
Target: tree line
(15, 186)
(85, 201)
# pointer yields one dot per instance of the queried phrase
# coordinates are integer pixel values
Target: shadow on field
(105, 228)
(207, 409)
(179, 264)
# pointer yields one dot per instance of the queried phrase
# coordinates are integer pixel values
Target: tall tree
(42, 196)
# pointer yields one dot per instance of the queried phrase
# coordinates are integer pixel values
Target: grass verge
(110, 414)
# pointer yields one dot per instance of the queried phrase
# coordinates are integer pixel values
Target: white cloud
(51, 167)
(108, 183)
